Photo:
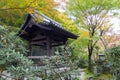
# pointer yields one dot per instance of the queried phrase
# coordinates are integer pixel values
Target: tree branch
(105, 45)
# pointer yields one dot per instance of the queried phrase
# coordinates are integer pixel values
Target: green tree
(12, 12)
(92, 16)
(67, 23)
(79, 46)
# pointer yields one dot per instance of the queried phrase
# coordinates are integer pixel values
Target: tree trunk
(90, 51)
(89, 63)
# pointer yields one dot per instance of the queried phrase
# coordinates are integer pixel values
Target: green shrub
(80, 61)
(12, 51)
(113, 57)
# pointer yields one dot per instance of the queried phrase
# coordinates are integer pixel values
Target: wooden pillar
(29, 48)
(48, 46)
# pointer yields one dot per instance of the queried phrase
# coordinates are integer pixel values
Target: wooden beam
(38, 42)
(38, 38)
(57, 44)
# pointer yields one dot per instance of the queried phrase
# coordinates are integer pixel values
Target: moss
(88, 74)
(97, 77)
(103, 77)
